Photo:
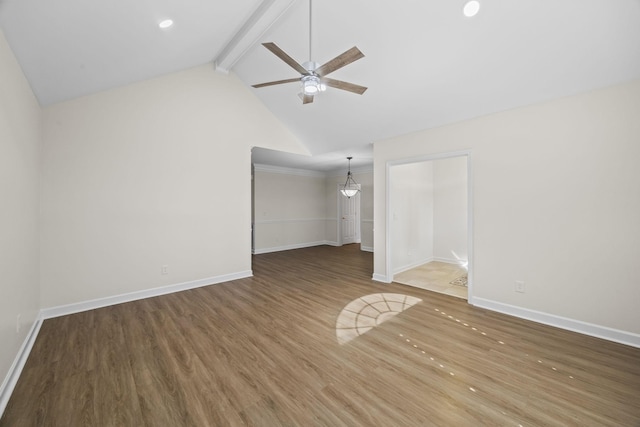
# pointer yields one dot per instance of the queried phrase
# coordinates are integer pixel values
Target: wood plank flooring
(264, 351)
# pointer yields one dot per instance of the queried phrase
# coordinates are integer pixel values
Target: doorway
(348, 218)
(429, 223)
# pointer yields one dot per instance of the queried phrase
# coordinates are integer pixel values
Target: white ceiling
(71, 48)
(425, 63)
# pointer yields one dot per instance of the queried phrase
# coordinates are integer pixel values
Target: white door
(349, 215)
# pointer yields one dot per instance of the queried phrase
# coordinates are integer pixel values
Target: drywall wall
(20, 143)
(556, 202)
(288, 208)
(450, 210)
(298, 208)
(153, 174)
(411, 207)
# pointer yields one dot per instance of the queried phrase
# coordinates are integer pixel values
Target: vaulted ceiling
(425, 63)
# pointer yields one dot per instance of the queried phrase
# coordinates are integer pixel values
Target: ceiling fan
(313, 77)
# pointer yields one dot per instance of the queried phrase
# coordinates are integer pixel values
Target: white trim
(380, 278)
(610, 334)
(412, 265)
(294, 246)
(446, 260)
(366, 248)
(292, 220)
(470, 264)
(428, 158)
(418, 159)
(339, 216)
(357, 171)
(15, 370)
(452, 261)
(388, 275)
(257, 167)
(287, 171)
(63, 310)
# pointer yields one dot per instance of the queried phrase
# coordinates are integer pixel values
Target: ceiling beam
(265, 15)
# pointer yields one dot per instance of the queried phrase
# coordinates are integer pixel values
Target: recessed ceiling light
(471, 8)
(166, 23)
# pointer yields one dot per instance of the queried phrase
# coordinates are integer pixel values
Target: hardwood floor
(264, 351)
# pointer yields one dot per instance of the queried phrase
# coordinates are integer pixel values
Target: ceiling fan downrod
(310, 29)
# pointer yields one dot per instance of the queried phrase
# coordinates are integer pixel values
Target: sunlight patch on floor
(365, 313)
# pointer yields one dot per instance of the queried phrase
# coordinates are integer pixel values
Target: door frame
(389, 196)
(339, 215)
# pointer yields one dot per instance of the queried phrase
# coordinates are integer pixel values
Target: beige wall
(152, 174)
(556, 201)
(411, 208)
(289, 209)
(20, 144)
(450, 210)
(297, 208)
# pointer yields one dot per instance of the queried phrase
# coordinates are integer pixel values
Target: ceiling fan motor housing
(310, 66)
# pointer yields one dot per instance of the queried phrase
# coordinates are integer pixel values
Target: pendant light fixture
(350, 187)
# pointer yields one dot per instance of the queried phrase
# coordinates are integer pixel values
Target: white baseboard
(380, 278)
(448, 260)
(294, 246)
(15, 370)
(78, 307)
(412, 265)
(610, 334)
(366, 248)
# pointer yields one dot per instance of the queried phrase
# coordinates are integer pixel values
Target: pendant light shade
(350, 187)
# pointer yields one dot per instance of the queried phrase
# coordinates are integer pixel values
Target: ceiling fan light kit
(312, 85)
(313, 78)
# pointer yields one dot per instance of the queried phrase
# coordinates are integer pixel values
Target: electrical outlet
(18, 324)
(520, 286)
(164, 269)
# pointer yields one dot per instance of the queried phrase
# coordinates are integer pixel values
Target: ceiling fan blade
(339, 61)
(339, 84)
(307, 99)
(277, 82)
(286, 58)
